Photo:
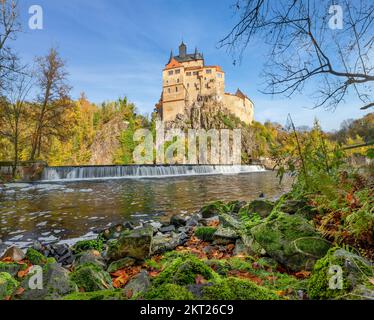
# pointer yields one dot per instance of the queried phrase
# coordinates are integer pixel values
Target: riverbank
(237, 250)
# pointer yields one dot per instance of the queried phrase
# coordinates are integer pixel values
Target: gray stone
(132, 243)
(156, 225)
(178, 221)
(166, 229)
(14, 253)
(89, 256)
(261, 207)
(140, 283)
(225, 236)
(120, 264)
(167, 242)
(56, 283)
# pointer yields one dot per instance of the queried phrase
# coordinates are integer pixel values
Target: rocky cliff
(107, 142)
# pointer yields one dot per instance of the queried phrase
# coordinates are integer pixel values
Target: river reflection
(55, 212)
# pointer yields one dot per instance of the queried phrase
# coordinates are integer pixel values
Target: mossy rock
(237, 289)
(235, 206)
(291, 240)
(8, 285)
(168, 291)
(135, 244)
(35, 257)
(183, 270)
(12, 268)
(205, 233)
(56, 283)
(84, 245)
(355, 272)
(89, 256)
(213, 209)
(261, 207)
(224, 236)
(120, 264)
(301, 207)
(90, 277)
(96, 295)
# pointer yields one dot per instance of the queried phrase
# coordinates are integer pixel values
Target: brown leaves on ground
(245, 275)
(121, 277)
(206, 250)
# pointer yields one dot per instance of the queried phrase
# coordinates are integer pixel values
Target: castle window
(168, 90)
(171, 72)
(219, 75)
(195, 73)
(176, 89)
(188, 73)
(178, 71)
(208, 71)
(177, 80)
(188, 85)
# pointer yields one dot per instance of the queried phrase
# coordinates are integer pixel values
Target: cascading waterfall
(139, 171)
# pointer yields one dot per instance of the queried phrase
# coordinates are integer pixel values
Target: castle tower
(186, 77)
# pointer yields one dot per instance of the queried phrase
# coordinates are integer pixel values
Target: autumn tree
(13, 114)
(53, 102)
(308, 45)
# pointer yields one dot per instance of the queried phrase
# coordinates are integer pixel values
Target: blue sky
(118, 47)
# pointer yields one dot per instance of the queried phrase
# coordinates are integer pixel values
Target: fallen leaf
(19, 291)
(200, 279)
(302, 274)
(129, 293)
(23, 273)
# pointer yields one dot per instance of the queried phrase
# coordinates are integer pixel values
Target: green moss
(291, 240)
(12, 268)
(168, 291)
(85, 245)
(205, 233)
(91, 277)
(8, 285)
(319, 281)
(96, 295)
(214, 209)
(120, 264)
(237, 289)
(182, 269)
(35, 257)
(151, 263)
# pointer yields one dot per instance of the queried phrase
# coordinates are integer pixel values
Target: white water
(138, 171)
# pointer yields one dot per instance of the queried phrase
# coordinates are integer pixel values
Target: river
(64, 211)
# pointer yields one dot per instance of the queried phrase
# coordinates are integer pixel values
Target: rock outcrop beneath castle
(209, 112)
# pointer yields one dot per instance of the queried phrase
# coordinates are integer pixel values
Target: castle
(186, 79)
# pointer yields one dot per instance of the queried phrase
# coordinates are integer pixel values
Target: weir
(141, 171)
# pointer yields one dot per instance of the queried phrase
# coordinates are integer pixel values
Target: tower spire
(182, 49)
(171, 56)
